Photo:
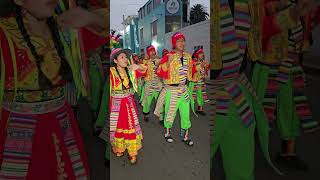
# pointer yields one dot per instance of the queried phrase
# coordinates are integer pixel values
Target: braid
(43, 80)
(65, 69)
(128, 75)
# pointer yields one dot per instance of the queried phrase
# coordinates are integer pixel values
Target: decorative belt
(34, 107)
(32, 96)
(123, 93)
(176, 85)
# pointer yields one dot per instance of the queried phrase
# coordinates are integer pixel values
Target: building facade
(131, 33)
(158, 17)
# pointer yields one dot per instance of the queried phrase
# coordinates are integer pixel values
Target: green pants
(102, 117)
(198, 94)
(287, 120)
(142, 94)
(184, 108)
(140, 87)
(104, 107)
(95, 94)
(237, 143)
(147, 105)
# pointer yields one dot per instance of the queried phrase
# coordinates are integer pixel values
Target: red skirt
(42, 146)
(125, 131)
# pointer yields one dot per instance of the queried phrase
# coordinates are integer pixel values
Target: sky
(119, 8)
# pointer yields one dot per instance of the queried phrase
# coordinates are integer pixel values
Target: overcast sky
(119, 8)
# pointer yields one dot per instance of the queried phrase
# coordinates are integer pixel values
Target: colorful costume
(238, 110)
(152, 85)
(124, 128)
(197, 86)
(279, 78)
(175, 69)
(37, 125)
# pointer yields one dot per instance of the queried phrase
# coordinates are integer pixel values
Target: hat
(115, 53)
(150, 48)
(175, 37)
(164, 52)
(197, 52)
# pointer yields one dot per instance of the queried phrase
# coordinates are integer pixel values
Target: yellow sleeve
(254, 36)
(216, 62)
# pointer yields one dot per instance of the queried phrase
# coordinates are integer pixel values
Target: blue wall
(131, 37)
(145, 22)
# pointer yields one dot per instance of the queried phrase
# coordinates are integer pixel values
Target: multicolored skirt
(41, 141)
(125, 130)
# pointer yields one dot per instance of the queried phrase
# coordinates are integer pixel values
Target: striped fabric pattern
(17, 153)
(18, 147)
(176, 93)
(70, 142)
(270, 97)
(201, 85)
(243, 107)
(234, 33)
(71, 94)
(114, 116)
(159, 105)
(229, 47)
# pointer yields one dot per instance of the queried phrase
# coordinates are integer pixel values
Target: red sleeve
(194, 67)
(91, 40)
(160, 72)
(142, 74)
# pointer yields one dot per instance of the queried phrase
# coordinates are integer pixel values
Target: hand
(75, 18)
(134, 67)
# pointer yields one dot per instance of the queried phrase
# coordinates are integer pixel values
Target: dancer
(197, 86)
(37, 125)
(279, 78)
(152, 85)
(175, 69)
(238, 111)
(125, 131)
(137, 60)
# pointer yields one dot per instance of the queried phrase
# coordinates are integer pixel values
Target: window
(154, 28)
(140, 14)
(149, 8)
(141, 36)
(144, 11)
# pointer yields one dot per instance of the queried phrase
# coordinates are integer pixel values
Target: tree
(198, 13)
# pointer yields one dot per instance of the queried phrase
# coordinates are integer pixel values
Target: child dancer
(197, 85)
(125, 131)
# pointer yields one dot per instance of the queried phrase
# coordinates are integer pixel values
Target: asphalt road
(159, 160)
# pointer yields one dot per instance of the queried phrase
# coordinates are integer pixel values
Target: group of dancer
(273, 35)
(43, 45)
(168, 82)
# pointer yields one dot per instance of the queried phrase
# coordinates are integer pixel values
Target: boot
(167, 135)
(200, 111)
(185, 137)
(288, 157)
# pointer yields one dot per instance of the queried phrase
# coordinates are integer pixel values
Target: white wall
(196, 35)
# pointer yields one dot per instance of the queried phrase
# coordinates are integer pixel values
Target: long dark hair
(65, 70)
